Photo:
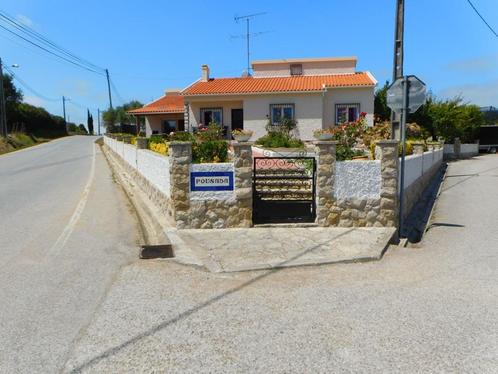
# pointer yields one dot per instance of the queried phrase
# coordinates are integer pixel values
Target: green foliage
(83, 129)
(347, 153)
(118, 115)
(210, 151)
(279, 140)
(279, 136)
(156, 139)
(449, 119)
(211, 132)
(381, 110)
(182, 136)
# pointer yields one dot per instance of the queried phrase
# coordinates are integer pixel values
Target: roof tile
(251, 85)
(166, 104)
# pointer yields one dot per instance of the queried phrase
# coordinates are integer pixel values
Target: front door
(237, 119)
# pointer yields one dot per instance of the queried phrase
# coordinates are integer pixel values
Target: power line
(28, 87)
(32, 33)
(482, 18)
(49, 51)
(120, 98)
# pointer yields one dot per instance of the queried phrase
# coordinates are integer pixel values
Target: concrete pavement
(428, 309)
(66, 231)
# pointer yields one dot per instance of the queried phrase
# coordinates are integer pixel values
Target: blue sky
(149, 46)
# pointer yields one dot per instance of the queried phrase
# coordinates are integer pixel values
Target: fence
(220, 195)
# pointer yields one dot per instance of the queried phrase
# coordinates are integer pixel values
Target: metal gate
(284, 189)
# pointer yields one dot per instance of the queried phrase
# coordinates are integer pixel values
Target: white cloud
(481, 94)
(34, 100)
(475, 65)
(25, 20)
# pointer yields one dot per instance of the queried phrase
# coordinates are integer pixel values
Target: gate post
(243, 184)
(387, 152)
(179, 169)
(325, 154)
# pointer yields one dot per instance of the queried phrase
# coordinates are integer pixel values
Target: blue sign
(211, 181)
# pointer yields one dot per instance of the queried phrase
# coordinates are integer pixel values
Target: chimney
(205, 73)
(172, 91)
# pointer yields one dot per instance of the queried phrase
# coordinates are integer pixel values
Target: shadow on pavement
(189, 312)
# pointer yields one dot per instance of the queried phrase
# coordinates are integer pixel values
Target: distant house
(163, 115)
(316, 92)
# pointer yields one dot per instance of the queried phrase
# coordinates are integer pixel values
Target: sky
(149, 46)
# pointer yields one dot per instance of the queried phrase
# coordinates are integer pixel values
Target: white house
(316, 92)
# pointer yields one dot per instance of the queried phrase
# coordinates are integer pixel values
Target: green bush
(182, 136)
(210, 151)
(279, 140)
(156, 139)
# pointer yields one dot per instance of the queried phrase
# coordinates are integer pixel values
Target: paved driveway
(419, 310)
(65, 232)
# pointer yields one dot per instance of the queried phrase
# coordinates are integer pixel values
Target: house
(163, 115)
(316, 92)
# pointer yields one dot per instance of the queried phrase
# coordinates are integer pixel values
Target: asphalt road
(431, 309)
(65, 231)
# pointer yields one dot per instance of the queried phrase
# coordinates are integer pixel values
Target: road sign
(416, 94)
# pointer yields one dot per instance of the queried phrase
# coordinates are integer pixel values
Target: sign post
(405, 96)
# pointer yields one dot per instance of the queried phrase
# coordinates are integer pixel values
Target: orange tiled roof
(166, 104)
(303, 83)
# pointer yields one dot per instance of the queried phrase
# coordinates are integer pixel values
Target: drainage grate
(156, 251)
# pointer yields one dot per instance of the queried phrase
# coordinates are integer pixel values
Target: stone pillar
(179, 169)
(142, 143)
(387, 152)
(456, 148)
(241, 214)
(325, 154)
(418, 148)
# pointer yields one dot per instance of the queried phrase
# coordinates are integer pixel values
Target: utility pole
(3, 118)
(108, 87)
(64, 110)
(248, 35)
(398, 60)
(98, 120)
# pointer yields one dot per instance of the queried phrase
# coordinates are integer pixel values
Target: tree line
(438, 118)
(27, 118)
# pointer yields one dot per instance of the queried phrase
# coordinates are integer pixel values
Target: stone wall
(357, 193)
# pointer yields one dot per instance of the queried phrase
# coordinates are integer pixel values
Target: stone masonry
(357, 212)
(211, 213)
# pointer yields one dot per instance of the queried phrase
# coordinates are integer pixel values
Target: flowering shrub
(161, 148)
(279, 136)
(349, 136)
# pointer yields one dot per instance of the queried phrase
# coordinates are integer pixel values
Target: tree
(89, 121)
(118, 115)
(13, 97)
(381, 110)
(82, 129)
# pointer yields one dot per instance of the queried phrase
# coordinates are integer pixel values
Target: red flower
(363, 114)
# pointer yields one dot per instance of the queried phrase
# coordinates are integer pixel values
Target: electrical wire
(32, 33)
(482, 18)
(28, 87)
(120, 98)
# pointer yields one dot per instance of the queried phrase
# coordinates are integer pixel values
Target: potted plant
(241, 135)
(323, 134)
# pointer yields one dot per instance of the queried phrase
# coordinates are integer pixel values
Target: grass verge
(16, 141)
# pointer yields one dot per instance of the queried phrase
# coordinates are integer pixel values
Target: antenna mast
(248, 35)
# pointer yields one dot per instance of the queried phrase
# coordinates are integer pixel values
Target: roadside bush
(210, 151)
(182, 136)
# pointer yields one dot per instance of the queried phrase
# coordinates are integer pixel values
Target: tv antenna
(248, 35)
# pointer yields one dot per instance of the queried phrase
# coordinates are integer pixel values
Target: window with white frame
(279, 111)
(346, 113)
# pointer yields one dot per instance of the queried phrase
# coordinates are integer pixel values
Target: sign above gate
(211, 181)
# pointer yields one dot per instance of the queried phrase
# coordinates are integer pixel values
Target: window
(279, 111)
(346, 113)
(169, 125)
(296, 69)
(209, 115)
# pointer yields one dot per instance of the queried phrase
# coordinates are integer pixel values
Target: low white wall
(153, 166)
(469, 149)
(212, 195)
(357, 179)
(466, 150)
(417, 165)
